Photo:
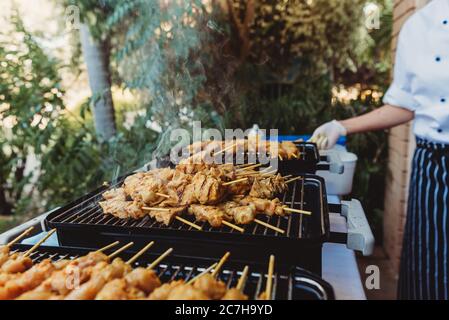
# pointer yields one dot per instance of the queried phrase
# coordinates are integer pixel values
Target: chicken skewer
(40, 242)
(120, 250)
(237, 292)
(105, 280)
(136, 284)
(109, 246)
(141, 252)
(5, 250)
(56, 286)
(267, 294)
(101, 274)
(20, 262)
(48, 280)
(20, 237)
(202, 287)
(282, 149)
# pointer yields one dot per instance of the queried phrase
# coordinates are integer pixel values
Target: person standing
(419, 92)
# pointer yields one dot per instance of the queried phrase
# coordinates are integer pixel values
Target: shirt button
(444, 21)
(438, 59)
(443, 100)
(440, 130)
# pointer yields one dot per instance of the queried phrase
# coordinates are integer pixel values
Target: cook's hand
(327, 135)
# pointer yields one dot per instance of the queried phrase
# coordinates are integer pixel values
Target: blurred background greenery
(158, 65)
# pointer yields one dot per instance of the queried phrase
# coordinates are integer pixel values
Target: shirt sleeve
(399, 94)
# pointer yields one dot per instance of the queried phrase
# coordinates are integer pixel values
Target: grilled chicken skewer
(136, 284)
(105, 280)
(237, 292)
(67, 276)
(19, 262)
(285, 149)
(202, 287)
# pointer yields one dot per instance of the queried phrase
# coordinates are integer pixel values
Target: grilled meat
(186, 292)
(16, 263)
(119, 289)
(166, 217)
(234, 294)
(59, 283)
(162, 292)
(213, 215)
(26, 281)
(117, 205)
(211, 287)
(268, 187)
(240, 214)
(263, 206)
(102, 273)
(143, 279)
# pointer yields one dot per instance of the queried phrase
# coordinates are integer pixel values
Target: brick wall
(401, 146)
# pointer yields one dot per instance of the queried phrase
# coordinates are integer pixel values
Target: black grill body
(83, 224)
(289, 283)
(307, 162)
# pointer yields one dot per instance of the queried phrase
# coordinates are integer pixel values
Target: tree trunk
(96, 56)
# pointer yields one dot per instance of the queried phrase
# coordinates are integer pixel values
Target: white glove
(327, 135)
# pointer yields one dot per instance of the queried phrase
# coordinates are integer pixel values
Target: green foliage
(30, 106)
(156, 57)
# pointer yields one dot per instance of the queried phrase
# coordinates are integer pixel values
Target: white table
(340, 266)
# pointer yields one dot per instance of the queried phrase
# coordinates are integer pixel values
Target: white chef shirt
(421, 73)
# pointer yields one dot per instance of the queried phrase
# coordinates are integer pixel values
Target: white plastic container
(340, 184)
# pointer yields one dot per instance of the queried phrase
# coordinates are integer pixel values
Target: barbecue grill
(309, 161)
(289, 283)
(82, 223)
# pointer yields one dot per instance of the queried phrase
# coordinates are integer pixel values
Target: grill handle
(333, 163)
(360, 237)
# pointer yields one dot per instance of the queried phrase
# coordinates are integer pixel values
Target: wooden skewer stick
(270, 278)
(242, 279)
(269, 226)
(233, 226)
(288, 176)
(293, 179)
(294, 156)
(20, 237)
(202, 274)
(225, 149)
(26, 254)
(280, 158)
(116, 253)
(189, 223)
(241, 166)
(309, 213)
(156, 209)
(176, 217)
(141, 252)
(269, 173)
(163, 195)
(246, 173)
(158, 260)
(109, 246)
(257, 165)
(220, 264)
(235, 181)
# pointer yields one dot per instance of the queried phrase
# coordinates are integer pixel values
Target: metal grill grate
(305, 194)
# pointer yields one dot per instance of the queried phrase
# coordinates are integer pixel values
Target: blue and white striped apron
(424, 260)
